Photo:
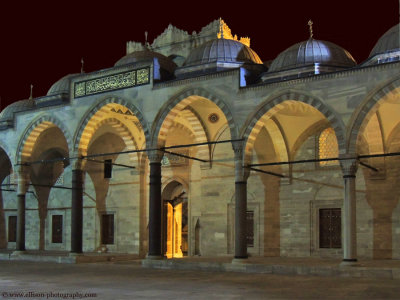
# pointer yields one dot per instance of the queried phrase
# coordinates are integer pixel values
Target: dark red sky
(41, 43)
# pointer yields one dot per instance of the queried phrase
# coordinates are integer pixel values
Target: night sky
(42, 42)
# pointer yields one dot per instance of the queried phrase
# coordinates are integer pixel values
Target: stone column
(155, 205)
(241, 175)
(77, 211)
(349, 223)
(22, 187)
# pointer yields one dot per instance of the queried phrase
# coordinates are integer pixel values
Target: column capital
(155, 156)
(22, 176)
(21, 168)
(238, 148)
(349, 165)
(79, 164)
(241, 173)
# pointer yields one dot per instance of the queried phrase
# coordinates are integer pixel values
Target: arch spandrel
(174, 105)
(32, 133)
(275, 103)
(365, 111)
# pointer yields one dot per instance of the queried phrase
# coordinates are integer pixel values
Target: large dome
(61, 86)
(222, 50)
(388, 42)
(313, 52)
(8, 112)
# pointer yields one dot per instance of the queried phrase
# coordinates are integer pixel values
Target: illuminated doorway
(175, 220)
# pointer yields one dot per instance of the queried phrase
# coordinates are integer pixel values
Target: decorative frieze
(112, 82)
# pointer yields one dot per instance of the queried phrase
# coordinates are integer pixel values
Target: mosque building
(193, 146)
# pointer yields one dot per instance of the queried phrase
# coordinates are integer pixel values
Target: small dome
(388, 42)
(146, 55)
(61, 86)
(222, 50)
(313, 52)
(8, 112)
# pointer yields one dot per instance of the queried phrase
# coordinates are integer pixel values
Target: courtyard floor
(129, 280)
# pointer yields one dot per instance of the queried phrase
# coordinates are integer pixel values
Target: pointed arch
(85, 130)
(365, 111)
(124, 133)
(33, 131)
(273, 104)
(176, 104)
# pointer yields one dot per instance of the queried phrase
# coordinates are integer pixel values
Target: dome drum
(300, 72)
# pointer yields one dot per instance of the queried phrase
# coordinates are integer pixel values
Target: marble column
(77, 211)
(22, 187)
(241, 175)
(155, 205)
(349, 223)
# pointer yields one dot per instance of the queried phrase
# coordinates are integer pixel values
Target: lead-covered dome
(146, 55)
(61, 86)
(18, 106)
(389, 42)
(222, 50)
(313, 52)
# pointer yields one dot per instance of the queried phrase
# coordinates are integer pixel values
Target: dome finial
(82, 62)
(310, 24)
(31, 95)
(146, 43)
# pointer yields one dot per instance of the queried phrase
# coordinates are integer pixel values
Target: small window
(57, 229)
(107, 229)
(250, 228)
(328, 147)
(12, 229)
(330, 228)
(108, 168)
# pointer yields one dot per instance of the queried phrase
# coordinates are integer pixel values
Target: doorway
(175, 220)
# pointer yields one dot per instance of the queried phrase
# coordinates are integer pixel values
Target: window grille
(60, 180)
(328, 147)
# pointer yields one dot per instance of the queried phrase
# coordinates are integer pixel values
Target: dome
(222, 50)
(313, 52)
(146, 55)
(61, 86)
(388, 42)
(8, 112)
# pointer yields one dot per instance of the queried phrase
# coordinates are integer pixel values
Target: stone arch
(365, 111)
(199, 133)
(178, 179)
(393, 146)
(33, 131)
(272, 105)
(124, 133)
(173, 106)
(98, 108)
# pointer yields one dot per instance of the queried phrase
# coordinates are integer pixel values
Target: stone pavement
(129, 280)
(384, 269)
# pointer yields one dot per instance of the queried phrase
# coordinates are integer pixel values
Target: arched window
(328, 147)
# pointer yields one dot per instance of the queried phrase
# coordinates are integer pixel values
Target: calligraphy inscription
(112, 82)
